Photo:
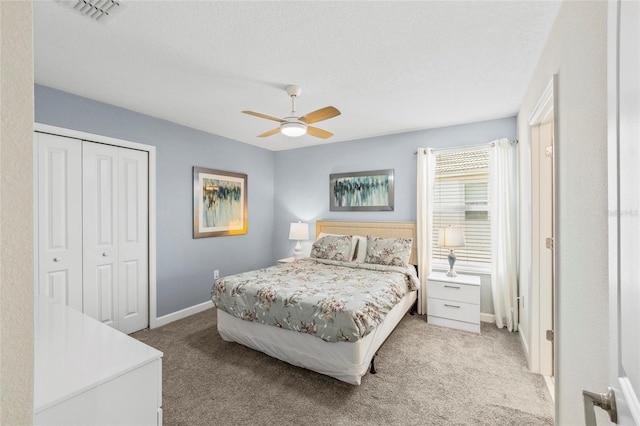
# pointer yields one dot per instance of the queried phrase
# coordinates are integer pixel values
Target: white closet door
(59, 207)
(133, 240)
(100, 232)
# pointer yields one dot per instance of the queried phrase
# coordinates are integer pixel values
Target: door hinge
(550, 335)
(548, 151)
(548, 242)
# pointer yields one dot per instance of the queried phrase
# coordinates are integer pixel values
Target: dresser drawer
(459, 311)
(454, 291)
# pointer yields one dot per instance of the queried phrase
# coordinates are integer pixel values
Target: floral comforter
(335, 301)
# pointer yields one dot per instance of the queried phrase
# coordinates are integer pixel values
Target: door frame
(628, 406)
(151, 150)
(542, 312)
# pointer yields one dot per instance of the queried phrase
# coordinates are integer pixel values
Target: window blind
(461, 198)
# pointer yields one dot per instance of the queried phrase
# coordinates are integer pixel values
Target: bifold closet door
(115, 236)
(59, 207)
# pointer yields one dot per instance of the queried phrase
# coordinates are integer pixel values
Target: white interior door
(100, 232)
(133, 188)
(93, 237)
(59, 204)
(624, 208)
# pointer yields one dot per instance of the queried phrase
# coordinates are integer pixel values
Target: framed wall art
(361, 191)
(219, 203)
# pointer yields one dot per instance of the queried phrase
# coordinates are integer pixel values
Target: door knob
(606, 401)
(57, 259)
(105, 254)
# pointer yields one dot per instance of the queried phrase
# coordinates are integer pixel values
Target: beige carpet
(427, 375)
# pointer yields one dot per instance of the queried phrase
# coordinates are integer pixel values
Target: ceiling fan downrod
(293, 92)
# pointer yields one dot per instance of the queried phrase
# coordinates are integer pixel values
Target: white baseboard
(487, 317)
(183, 313)
(550, 386)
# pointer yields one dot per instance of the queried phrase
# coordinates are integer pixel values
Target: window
(461, 198)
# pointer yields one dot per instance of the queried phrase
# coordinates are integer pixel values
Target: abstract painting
(361, 191)
(219, 203)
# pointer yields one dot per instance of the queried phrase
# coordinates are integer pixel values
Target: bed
(284, 312)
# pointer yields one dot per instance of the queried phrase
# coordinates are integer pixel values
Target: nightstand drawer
(459, 311)
(454, 291)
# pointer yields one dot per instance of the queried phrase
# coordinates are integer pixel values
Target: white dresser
(454, 301)
(87, 373)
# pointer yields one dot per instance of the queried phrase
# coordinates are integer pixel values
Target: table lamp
(451, 237)
(299, 232)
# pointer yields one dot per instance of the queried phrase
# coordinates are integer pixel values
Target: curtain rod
(480, 145)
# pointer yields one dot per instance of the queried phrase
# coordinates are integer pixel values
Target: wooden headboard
(376, 229)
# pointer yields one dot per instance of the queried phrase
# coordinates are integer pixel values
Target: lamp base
(451, 257)
(297, 251)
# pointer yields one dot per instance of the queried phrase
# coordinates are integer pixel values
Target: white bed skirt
(344, 361)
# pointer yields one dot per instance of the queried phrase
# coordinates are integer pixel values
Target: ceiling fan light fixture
(293, 129)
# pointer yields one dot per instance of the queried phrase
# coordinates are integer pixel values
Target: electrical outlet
(216, 274)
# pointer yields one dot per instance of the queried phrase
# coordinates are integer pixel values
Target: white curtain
(424, 222)
(503, 184)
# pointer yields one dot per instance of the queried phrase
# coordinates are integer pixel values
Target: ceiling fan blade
(318, 133)
(268, 117)
(270, 132)
(319, 115)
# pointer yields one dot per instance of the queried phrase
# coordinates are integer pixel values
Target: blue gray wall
(283, 187)
(302, 177)
(184, 265)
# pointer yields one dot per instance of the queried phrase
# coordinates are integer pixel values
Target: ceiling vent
(98, 10)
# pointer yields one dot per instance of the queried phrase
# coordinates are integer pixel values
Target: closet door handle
(57, 259)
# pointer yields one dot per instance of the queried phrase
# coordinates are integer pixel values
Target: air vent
(98, 10)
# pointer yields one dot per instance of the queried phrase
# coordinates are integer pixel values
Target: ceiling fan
(297, 126)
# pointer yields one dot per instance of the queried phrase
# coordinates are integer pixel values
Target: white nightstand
(287, 260)
(454, 301)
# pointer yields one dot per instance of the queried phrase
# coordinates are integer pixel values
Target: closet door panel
(100, 232)
(133, 240)
(105, 283)
(57, 287)
(59, 204)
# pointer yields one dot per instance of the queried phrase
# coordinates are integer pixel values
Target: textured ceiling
(389, 67)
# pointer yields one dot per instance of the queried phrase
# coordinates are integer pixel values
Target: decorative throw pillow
(354, 242)
(388, 251)
(332, 247)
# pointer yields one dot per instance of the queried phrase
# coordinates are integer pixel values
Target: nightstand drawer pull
(457, 287)
(452, 306)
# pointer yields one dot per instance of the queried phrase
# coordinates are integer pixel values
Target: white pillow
(361, 252)
(354, 243)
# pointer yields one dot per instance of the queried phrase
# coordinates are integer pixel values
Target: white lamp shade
(293, 129)
(299, 231)
(451, 237)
